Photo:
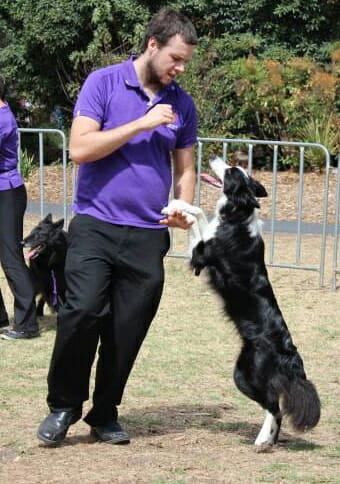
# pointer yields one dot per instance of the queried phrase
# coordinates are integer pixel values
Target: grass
(188, 422)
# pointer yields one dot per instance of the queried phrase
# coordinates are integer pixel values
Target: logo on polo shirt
(172, 126)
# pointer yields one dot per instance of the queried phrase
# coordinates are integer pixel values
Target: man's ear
(153, 44)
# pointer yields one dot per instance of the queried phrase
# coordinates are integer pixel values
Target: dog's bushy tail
(299, 401)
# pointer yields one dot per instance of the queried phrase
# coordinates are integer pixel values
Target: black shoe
(111, 433)
(54, 427)
(12, 334)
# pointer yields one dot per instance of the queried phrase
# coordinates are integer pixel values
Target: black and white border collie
(269, 368)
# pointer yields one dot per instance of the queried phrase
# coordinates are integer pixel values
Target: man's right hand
(158, 115)
(89, 143)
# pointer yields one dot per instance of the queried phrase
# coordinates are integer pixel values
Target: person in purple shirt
(133, 136)
(13, 200)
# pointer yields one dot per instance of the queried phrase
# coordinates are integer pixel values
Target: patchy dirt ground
(188, 422)
(52, 186)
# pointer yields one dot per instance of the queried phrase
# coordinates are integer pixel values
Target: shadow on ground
(170, 420)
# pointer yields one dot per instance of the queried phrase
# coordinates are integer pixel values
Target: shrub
(323, 130)
(241, 92)
(27, 164)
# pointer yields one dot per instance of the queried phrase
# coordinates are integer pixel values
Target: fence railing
(41, 156)
(222, 146)
(335, 265)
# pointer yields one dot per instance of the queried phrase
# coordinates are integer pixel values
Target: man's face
(168, 61)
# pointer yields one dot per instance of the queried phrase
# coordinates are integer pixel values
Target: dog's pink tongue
(30, 254)
(215, 182)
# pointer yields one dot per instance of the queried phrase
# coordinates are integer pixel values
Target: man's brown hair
(2, 87)
(167, 23)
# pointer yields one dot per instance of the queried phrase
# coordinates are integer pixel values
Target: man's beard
(152, 78)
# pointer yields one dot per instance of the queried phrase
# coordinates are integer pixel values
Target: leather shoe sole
(53, 429)
(111, 433)
(12, 334)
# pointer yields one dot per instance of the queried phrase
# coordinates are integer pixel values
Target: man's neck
(150, 88)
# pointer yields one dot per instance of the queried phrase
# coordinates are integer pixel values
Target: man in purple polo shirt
(133, 128)
(13, 200)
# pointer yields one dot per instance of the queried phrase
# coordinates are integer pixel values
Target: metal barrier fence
(335, 266)
(224, 145)
(63, 151)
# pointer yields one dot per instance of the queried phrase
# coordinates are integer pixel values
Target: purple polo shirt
(9, 175)
(131, 185)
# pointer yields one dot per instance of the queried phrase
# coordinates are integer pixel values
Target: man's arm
(184, 185)
(88, 143)
(184, 174)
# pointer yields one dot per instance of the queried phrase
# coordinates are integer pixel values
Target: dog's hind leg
(253, 387)
(269, 432)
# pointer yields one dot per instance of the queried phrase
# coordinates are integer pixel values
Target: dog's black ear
(258, 189)
(59, 223)
(48, 218)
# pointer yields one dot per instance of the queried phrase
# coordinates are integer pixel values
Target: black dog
(269, 369)
(47, 244)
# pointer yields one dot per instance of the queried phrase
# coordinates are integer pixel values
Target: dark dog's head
(45, 239)
(238, 186)
(241, 191)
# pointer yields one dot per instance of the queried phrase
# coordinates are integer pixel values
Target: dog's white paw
(189, 211)
(268, 432)
(183, 206)
(188, 217)
(194, 215)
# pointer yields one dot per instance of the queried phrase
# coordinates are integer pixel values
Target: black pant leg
(3, 312)
(136, 292)
(12, 208)
(114, 277)
(88, 277)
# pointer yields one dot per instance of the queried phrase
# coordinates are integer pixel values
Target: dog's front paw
(180, 206)
(175, 205)
(198, 261)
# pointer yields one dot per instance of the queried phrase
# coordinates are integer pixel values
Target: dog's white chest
(210, 230)
(255, 225)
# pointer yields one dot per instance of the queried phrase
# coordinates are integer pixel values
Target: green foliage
(323, 130)
(295, 24)
(241, 94)
(261, 69)
(299, 25)
(49, 47)
(27, 164)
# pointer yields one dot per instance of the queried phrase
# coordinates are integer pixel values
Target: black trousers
(12, 208)
(114, 277)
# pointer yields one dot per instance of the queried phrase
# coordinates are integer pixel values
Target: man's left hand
(177, 219)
